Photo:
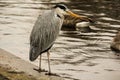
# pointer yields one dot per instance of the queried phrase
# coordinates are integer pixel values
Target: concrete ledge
(16, 63)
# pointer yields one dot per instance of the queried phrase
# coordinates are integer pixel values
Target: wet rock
(115, 45)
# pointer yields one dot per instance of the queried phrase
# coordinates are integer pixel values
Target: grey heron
(45, 32)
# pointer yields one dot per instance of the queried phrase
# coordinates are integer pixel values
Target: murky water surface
(75, 55)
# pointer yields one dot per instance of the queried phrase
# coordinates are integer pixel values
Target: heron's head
(62, 9)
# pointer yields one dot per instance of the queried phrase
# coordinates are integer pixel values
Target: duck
(77, 23)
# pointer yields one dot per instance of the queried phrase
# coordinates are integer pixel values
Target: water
(75, 55)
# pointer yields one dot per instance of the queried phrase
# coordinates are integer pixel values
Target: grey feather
(44, 33)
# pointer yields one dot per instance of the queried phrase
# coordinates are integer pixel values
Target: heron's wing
(44, 33)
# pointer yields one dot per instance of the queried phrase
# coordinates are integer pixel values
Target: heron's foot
(40, 70)
(51, 74)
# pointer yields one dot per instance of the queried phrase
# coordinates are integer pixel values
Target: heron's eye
(62, 7)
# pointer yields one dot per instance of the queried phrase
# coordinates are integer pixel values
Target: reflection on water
(75, 55)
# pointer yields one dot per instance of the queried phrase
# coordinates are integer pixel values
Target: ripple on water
(75, 54)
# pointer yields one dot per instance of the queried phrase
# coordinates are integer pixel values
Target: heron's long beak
(80, 17)
(72, 14)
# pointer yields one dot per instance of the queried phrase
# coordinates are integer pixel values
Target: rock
(115, 45)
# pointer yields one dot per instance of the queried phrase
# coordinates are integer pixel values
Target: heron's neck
(58, 13)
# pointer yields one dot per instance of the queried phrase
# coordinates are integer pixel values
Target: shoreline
(9, 62)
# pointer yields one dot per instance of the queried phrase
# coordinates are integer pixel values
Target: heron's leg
(40, 68)
(40, 62)
(48, 55)
(49, 73)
